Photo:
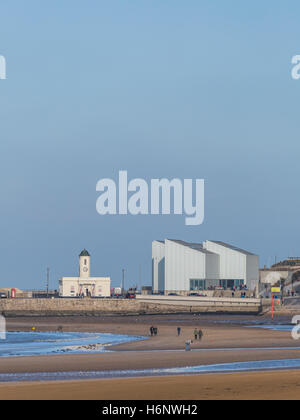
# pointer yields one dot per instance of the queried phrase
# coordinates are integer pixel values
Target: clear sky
(160, 88)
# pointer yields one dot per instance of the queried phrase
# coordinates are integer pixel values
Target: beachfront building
(237, 266)
(284, 274)
(183, 267)
(84, 285)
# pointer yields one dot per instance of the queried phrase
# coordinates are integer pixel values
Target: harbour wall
(140, 306)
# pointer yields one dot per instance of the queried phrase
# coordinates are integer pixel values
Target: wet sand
(216, 335)
(284, 385)
(133, 360)
(165, 350)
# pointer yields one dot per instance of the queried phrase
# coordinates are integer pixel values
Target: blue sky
(168, 88)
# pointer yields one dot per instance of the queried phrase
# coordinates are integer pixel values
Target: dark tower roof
(84, 253)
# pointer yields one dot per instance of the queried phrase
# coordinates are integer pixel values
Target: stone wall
(89, 306)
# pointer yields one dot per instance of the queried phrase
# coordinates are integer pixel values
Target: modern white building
(237, 266)
(84, 285)
(181, 267)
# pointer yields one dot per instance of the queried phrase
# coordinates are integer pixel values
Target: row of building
(177, 267)
(183, 267)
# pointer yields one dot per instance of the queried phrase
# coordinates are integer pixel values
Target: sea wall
(89, 306)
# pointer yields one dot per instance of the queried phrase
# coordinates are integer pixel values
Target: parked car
(173, 294)
(130, 295)
(3, 295)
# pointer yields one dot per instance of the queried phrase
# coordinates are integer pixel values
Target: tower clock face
(85, 269)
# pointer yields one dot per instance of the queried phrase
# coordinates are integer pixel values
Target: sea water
(40, 343)
(263, 365)
(274, 327)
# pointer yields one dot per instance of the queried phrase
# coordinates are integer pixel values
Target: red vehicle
(131, 294)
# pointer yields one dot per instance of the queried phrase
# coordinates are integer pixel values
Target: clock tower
(84, 285)
(84, 264)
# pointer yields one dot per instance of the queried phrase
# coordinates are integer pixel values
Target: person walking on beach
(200, 334)
(195, 333)
(178, 331)
(188, 345)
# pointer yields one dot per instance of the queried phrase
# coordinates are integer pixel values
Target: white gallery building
(181, 267)
(84, 285)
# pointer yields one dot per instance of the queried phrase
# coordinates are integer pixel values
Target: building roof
(199, 246)
(84, 253)
(234, 248)
(195, 246)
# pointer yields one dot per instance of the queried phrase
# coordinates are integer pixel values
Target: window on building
(197, 284)
(230, 284)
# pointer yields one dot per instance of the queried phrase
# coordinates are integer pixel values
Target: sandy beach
(283, 385)
(223, 342)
